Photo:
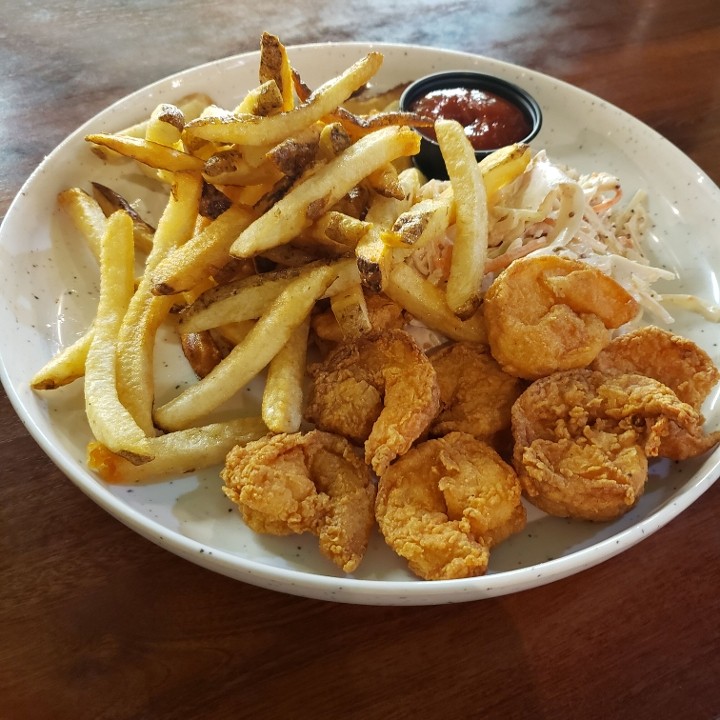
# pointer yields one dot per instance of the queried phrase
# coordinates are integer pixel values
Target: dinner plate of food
(252, 330)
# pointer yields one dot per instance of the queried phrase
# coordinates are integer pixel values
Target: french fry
(503, 166)
(191, 106)
(111, 423)
(467, 265)
(339, 228)
(426, 220)
(374, 251)
(110, 201)
(253, 130)
(374, 255)
(145, 313)
(282, 401)
(249, 357)
(154, 155)
(202, 255)
(264, 100)
(201, 351)
(427, 303)
(275, 65)
(86, 214)
(230, 167)
(351, 312)
(176, 453)
(384, 181)
(165, 125)
(247, 299)
(235, 332)
(310, 199)
(65, 367)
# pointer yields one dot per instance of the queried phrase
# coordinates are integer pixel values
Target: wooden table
(96, 622)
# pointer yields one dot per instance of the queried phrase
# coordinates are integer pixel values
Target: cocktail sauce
(490, 121)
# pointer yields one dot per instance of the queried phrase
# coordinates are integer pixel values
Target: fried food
(476, 394)
(582, 440)
(673, 360)
(383, 314)
(445, 503)
(380, 390)
(297, 483)
(550, 313)
(676, 362)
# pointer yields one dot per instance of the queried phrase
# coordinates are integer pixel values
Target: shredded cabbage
(550, 208)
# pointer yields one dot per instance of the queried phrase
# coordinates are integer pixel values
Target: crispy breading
(312, 482)
(380, 389)
(445, 503)
(582, 439)
(476, 394)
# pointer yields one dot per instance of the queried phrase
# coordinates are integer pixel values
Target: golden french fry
(110, 201)
(254, 130)
(176, 453)
(427, 303)
(86, 214)
(229, 166)
(503, 166)
(154, 155)
(339, 228)
(235, 332)
(111, 423)
(351, 312)
(202, 255)
(191, 106)
(310, 199)
(374, 255)
(333, 140)
(247, 299)
(275, 65)
(467, 265)
(66, 366)
(385, 182)
(145, 313)
(201, 351)
(165, 125)
(249, 357)
(282, 401)
(426, 220)
(264, 100)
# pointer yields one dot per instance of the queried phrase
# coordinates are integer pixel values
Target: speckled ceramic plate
(48, 288)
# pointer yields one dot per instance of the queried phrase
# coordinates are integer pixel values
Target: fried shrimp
(446, 503)
(550, 313)
(583, 438)
(476, 394)
(312, 482)
(676, 362)
(673, 360)
(380, 389)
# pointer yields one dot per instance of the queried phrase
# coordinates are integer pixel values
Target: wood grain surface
(96, 622)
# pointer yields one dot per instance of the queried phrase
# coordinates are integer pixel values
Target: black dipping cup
(429, 160)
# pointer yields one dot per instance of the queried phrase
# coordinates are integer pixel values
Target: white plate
(48, 287)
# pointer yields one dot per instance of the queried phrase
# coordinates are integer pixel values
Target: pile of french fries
(285, 200)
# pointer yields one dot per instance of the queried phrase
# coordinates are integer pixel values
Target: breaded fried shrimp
(549, 313)
(380, 389)
(673, 360)
(312, 482)
(445, 503)
(476, 394)
(582, 440)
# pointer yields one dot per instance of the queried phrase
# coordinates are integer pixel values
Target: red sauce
(490, 121)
